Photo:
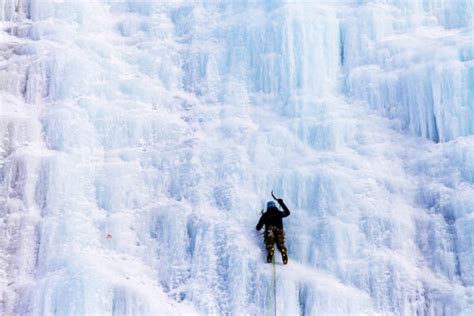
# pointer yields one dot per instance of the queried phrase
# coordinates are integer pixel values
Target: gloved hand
(280, 201)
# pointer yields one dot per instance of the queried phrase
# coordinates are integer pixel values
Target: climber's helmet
(271, 204)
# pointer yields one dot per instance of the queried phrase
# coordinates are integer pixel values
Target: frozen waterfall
(141, 139)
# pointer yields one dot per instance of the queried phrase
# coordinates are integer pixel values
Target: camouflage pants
(274, 234)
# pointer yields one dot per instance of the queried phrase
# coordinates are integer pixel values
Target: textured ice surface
(140, 140)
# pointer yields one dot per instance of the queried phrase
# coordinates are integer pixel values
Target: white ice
(141, 139)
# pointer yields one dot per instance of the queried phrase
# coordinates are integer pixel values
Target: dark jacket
(273, 217)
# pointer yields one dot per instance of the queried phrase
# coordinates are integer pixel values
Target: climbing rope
(274, 287)
(273, 310)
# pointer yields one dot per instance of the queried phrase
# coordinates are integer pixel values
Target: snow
(140, 140)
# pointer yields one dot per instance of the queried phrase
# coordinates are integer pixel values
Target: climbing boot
(270, 256)
(284, 256)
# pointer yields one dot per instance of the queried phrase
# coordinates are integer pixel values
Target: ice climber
(272, 219)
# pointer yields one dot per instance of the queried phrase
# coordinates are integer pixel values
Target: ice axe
(274, 197)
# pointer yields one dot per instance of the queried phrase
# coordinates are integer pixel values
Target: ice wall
(413, 62)
(141, 139)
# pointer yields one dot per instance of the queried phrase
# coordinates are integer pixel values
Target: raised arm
(286, 211)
